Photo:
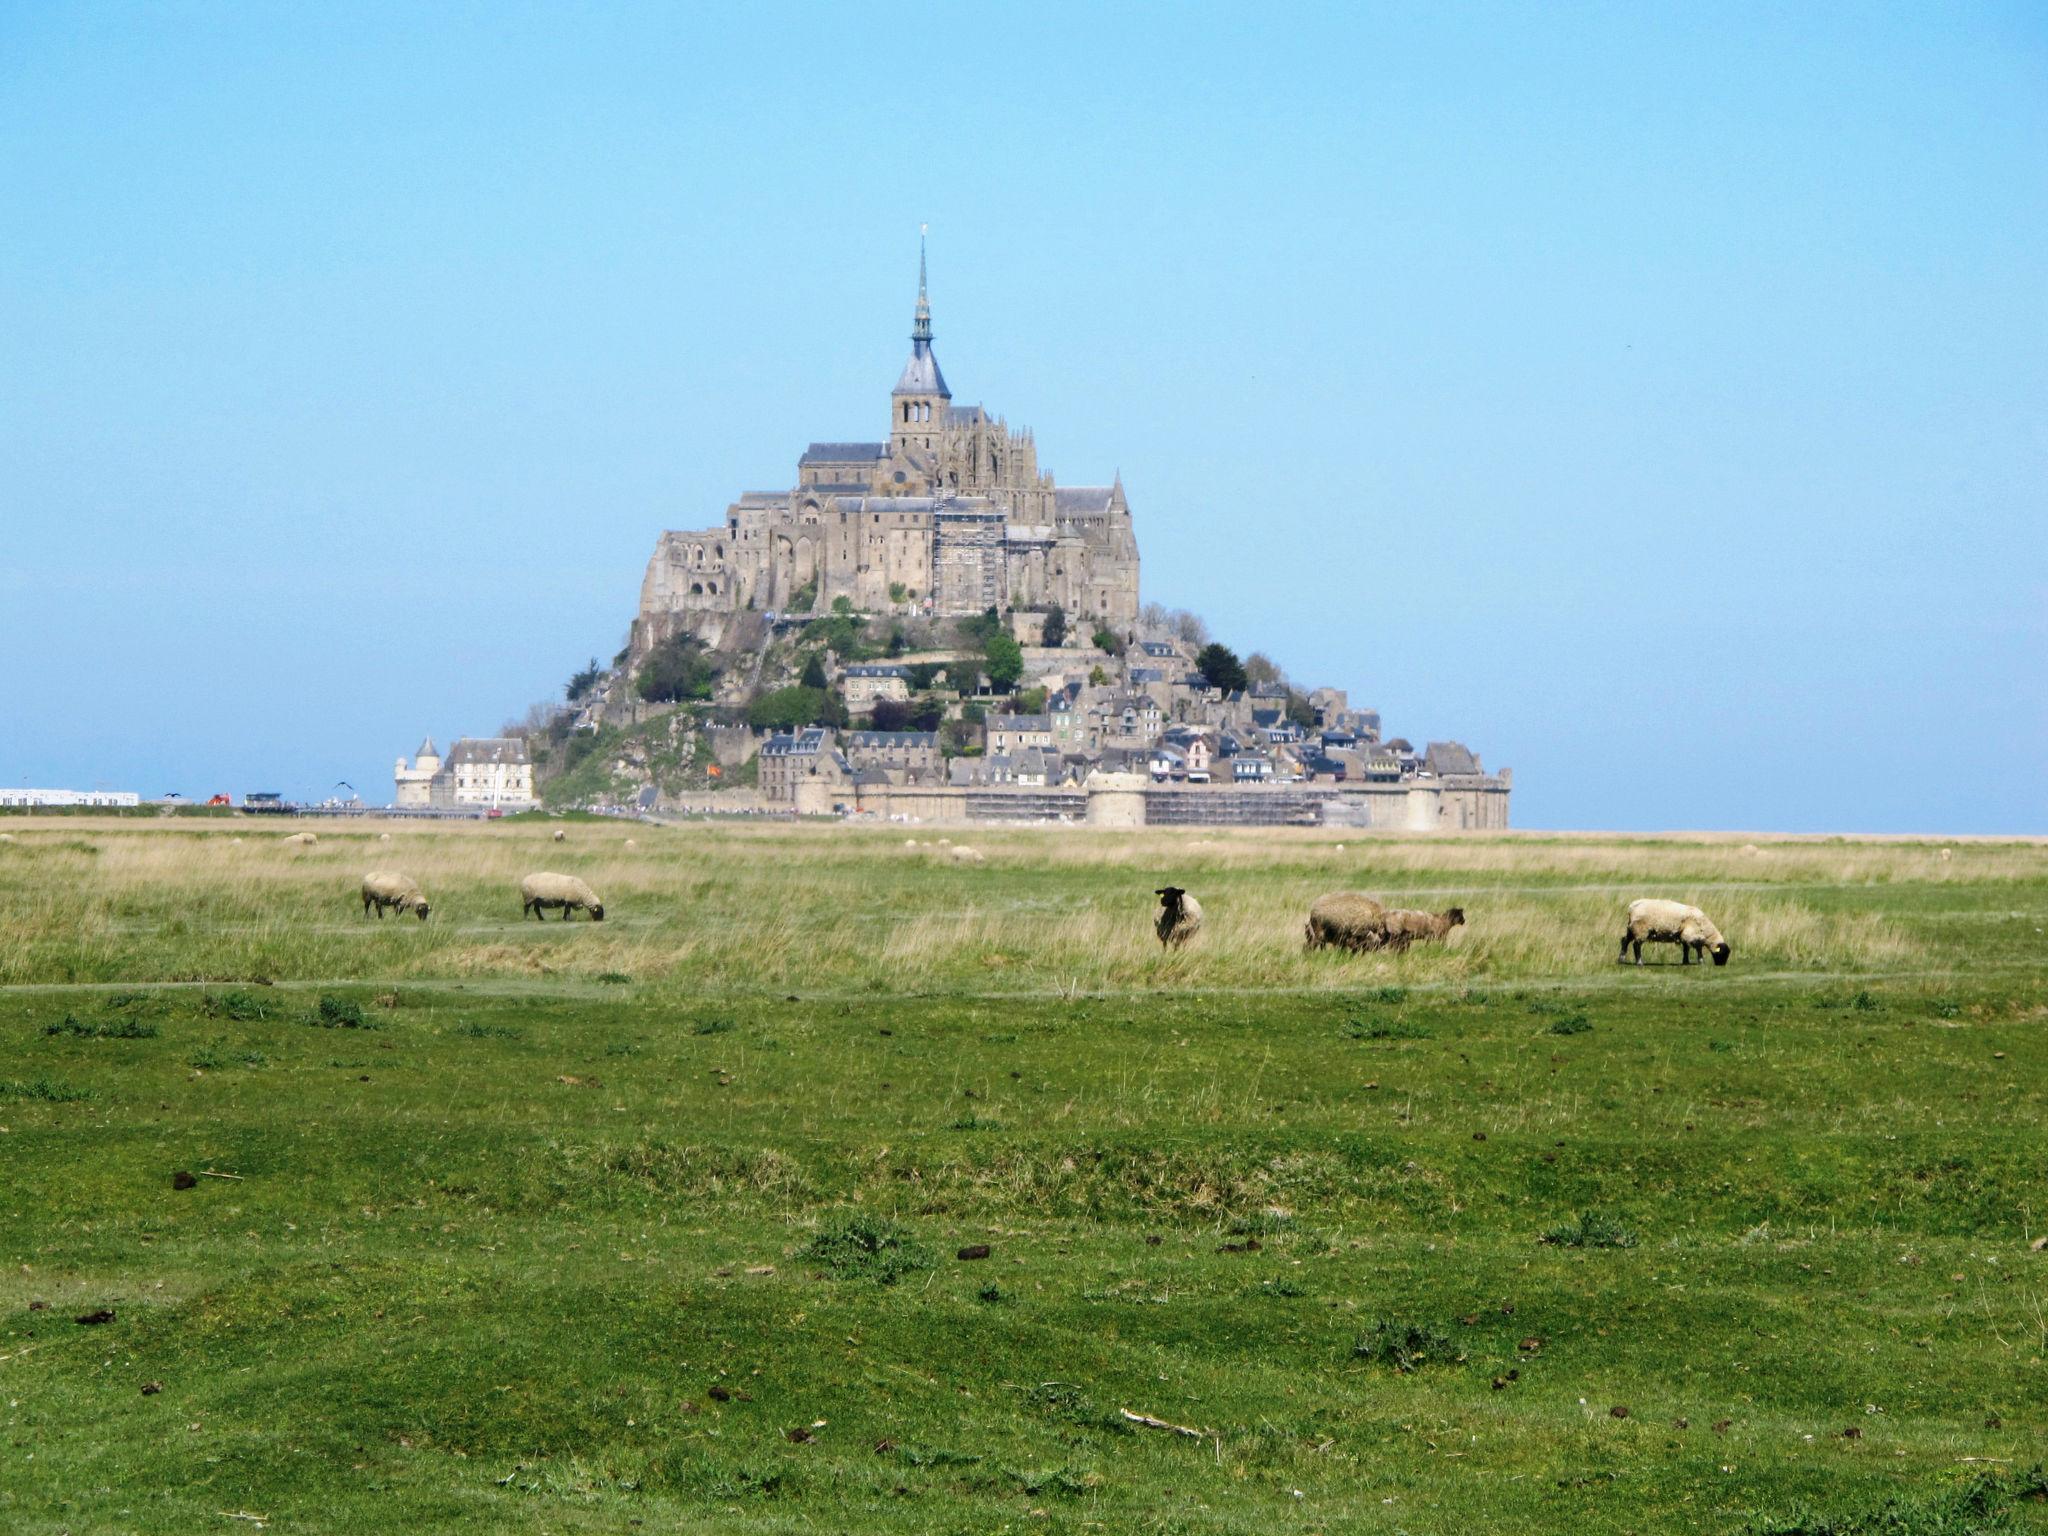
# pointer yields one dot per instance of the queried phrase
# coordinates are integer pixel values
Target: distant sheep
(7, 838)
(563, 891)
(383, 889)
(383, 837)
(301, 839)
(630, 843)
(1348, 919)
(1180, 917)
(561, 836)
(1672, 922)
(1947, 854)
(960, 853)
(1404, 928)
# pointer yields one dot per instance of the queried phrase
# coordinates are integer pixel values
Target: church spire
(921, 326)
(921, 376)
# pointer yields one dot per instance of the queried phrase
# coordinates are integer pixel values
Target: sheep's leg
(1622, 958)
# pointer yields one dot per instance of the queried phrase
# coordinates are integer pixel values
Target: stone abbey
(950, 516)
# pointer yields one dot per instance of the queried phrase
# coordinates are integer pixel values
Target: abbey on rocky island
(950, 516)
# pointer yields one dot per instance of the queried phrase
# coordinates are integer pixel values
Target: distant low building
(53, 798)
(869, 681)
(415, 784)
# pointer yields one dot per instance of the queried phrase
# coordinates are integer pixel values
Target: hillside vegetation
(491, 1225)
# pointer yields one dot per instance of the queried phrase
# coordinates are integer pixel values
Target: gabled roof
(844, 453)
(1078, 500)
(486, 749)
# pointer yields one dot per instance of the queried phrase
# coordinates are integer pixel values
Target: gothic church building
(950, 516)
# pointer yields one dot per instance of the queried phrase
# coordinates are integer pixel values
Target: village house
(865, 682)
(1013, 733)
(905, 757)
(789, 760)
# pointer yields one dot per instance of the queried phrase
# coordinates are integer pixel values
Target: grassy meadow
(675, 1222)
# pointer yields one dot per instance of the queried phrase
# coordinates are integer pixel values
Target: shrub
(862, 1248)
(1591, 1229)
(1394, 1029)
(1055, 625)
(789, 709)
(676, 670)
(103, 1029)
(1571, 1024)
(42, 1090)
(583, 681)
(243, 1007)
(340, 1013)
(1405, 1346)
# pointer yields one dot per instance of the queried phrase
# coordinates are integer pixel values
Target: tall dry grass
(826, 907)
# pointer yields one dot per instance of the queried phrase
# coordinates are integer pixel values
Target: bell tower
(917, 404)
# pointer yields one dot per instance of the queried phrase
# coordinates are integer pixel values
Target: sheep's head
(1722, 952)
(597, 911)
(1455, 917)
(1169, 897)
(420, 910)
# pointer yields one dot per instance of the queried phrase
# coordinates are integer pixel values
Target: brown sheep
(1404, 928)
(1348, 919)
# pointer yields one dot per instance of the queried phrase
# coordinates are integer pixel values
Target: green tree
(1055, 625)
(814, 673)
(1110, 641)
(842, 605)
(1299, 711)
(1005, 662)
(584, 681)
(1220, 668)
(676, 670)
(789, 709)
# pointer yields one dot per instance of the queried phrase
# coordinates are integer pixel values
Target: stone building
(866, 682)
(809, 756)
(949, 516)
(489, 771)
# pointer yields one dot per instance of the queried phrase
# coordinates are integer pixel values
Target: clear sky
(1655, 399)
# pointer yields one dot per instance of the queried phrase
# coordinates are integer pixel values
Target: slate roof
(965, 415)
(843, 453)
(1448, 757)
(1074, 500)
(805, 743)
(921, 374)
(877, 669)
(882, 740)
(486, 749)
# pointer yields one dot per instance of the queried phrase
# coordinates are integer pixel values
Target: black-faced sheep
(1348, 919)
(382, 889)
(563, 891)
(1180, 916)
(561, 836)
(1672, 922)
(1404, 928)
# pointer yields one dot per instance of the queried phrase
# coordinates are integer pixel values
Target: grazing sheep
(6, 837)
(1947, 854)
(383, 889)
(960, 853)
(383, 837)
(1672, 922)
(1180, 917)
(301, 839)
(561, 836)
(564, 891)
(1404, 928)
(630, 843)
(1348, 919)
(1750, 850)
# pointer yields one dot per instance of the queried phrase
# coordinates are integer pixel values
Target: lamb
(1404, 928)
(561, 836)
(1672, 922)
(1348, 919)
(383, 889)
(301, 839)
(563, 891)
(1180, 917)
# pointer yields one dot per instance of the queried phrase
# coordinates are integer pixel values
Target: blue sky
(1655, 399)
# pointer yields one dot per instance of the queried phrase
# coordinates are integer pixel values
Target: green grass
(517, 1245)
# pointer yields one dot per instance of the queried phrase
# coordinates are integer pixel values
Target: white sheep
(563, 891)
(1672, 922)
(561, 836)
(960, 853)
(630, 843)
(1179, 919)
(1348, 919)
(7, 838)
(382, 889)
(383, 837)
(301, 839)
